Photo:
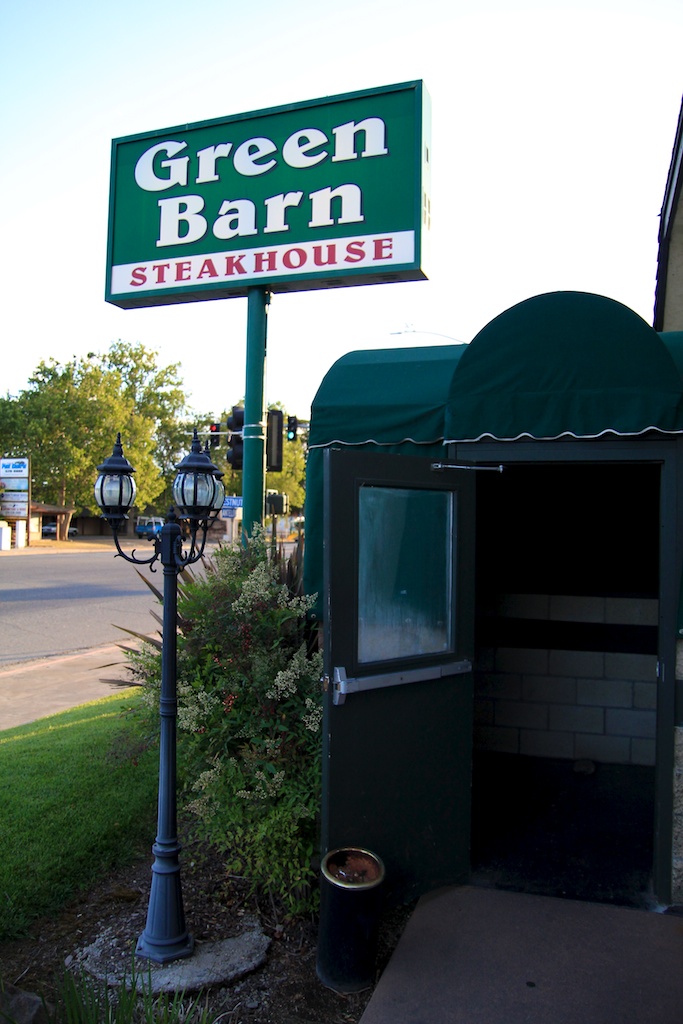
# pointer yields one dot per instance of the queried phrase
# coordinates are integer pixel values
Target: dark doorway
(565, 688)
(553, 828)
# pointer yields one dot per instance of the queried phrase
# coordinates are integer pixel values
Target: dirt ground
(284, 990)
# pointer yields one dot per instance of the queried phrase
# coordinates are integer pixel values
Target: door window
(405, 572)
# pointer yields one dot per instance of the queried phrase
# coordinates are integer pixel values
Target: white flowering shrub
(249, 720)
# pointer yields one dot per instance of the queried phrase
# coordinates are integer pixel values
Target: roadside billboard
(330, 192)
(15, 491)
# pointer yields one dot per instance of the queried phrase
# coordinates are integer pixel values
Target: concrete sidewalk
(483, 956)
(35, 689)
(40, 546)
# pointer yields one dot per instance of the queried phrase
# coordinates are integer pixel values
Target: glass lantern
(197, 489)
(115, 488)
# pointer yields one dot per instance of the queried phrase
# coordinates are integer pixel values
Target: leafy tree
(156, 393)
(68, 416)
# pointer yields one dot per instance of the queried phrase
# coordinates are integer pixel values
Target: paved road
(58, 606)
(58, 601)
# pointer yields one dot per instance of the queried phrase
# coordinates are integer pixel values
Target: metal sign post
(254, 473)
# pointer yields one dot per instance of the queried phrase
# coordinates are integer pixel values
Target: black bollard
(350, 898)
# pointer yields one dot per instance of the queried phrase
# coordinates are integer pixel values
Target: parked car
(50, 530)
(148, 526)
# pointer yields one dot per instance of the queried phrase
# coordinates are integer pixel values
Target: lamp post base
(163, 952)
(165, 936)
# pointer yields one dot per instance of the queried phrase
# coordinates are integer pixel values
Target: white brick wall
(569, 704)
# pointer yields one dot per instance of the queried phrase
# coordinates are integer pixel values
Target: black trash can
(350, 897)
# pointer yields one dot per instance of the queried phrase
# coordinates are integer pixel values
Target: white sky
(553, 125)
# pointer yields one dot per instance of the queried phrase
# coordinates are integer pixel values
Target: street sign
(333, 191)
(12, 509)
(233, 501)
(15, 491)
(13, 468)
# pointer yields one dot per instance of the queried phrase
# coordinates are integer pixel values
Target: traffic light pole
(254, 473)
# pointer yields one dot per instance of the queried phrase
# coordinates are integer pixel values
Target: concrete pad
(210, 964)
(484, 956)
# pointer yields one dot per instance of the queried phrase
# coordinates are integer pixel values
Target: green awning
(566, 364)
(385, 397)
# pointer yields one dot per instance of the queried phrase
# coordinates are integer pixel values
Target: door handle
(342, 685)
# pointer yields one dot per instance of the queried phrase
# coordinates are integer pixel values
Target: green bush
(249, 720)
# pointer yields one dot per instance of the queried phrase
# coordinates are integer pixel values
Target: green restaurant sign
(330, 192)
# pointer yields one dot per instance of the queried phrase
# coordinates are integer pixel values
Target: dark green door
(399, 549)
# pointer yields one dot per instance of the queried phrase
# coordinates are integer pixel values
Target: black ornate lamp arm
(132, 557)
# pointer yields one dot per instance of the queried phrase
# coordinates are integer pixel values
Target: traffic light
(292, 427)
(235, 437)
(214, 434)
(274, 440)
(276, 504)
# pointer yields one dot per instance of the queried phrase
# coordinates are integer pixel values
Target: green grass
(77, 799)
(81, 1000)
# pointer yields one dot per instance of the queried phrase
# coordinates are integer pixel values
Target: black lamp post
(198, 494)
